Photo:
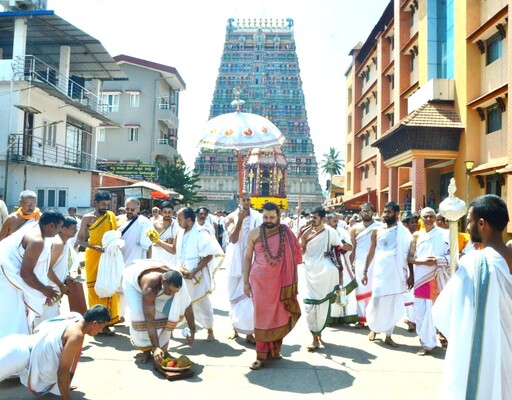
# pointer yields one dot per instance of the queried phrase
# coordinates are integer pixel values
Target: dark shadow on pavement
(328, 379)
(119, 341)
(211, 349)
(222, 313)
(353, 353)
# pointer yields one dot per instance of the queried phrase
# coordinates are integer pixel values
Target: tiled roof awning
(434, 126)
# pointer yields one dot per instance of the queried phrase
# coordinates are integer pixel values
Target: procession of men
(361, 273)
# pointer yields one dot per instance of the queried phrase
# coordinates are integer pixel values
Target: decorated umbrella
(240, 131)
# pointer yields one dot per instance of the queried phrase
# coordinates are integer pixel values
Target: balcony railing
(34, 150)
(32, 69)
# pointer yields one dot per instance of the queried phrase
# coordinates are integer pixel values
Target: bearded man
(270, 278)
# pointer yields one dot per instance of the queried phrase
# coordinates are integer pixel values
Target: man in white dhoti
(474, 311)
(360, 236)
(429, 253)
(198, 257)
(346, 313)
(63, 259)
(410, 221)
(388, 253)
(133, 228)
(322, 276)
(167, 228)
(157, 301)
(206, 220)
(238, 225)
(24, 263)
(23, 217)
(46, 361)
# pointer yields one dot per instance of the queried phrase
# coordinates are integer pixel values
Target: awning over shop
(354, 204)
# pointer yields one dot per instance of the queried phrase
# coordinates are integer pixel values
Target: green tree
(331, 163)
(177, 176)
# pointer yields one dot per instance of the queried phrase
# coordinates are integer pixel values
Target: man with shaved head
(429, 253)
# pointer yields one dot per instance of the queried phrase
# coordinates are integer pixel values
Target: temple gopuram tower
(260, 58)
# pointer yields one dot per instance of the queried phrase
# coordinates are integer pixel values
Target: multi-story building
(144, 109)
(49, 118)
(427, 101)
(260, 58)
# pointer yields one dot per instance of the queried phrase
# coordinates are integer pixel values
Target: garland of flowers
(273, 260)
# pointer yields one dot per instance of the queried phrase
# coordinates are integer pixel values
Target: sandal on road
(256, 365)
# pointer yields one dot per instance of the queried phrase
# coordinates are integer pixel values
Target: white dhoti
(16, 296)
(191, 246)
(40, 376)
(474, 312)
(67, 261)
(169, 310)
(241, 309)
(429, 281)
(322, 279)
(14, 354)
(363, 293)
(159, 253)
(386, 306)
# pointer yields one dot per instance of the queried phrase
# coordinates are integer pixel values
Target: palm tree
(331, 164)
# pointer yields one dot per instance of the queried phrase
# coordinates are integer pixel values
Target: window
(493, 118)
(411, 62)
(493, 185)
(51, 198)
(367, 139)
(134, 99)
(100, 134)
(110, 102)
(494, 44)
(49, 133)
(133, 134)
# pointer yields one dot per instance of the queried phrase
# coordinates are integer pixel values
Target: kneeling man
(46, 360)
(157, 301)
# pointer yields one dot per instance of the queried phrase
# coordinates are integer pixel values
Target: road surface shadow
(214, 349)
(355, 354)
(283, 375)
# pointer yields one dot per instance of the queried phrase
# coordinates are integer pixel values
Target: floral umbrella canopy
(240, 131)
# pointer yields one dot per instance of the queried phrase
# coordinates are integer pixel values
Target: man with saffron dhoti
(24, 264)
(239, 223)
(360, 235)
(47, 360)
(429, 253)
(198, 257)
(388, 253)
(94, 225)
(271, 280)
(322, 276)
(474, 310)
(157, 301)
(23, 217)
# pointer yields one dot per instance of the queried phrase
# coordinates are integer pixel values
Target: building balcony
(166, 113)
(48, 79)
(32, 150)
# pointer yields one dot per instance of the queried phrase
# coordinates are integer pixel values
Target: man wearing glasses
(26, 213)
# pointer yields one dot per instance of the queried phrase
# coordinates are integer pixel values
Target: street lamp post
(469, 167)
(368, 190)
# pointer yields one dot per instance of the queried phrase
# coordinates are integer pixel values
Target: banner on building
(141, 172)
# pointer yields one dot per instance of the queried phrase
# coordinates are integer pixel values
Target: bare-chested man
(24, 260)
(157, 300)
(46, 361)
(167, 228)
(26, 213)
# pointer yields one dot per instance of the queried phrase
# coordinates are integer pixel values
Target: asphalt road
(349, 366)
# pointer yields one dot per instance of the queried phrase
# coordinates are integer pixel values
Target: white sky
(189, 35)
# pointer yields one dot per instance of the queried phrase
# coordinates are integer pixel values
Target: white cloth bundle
(111, 265)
